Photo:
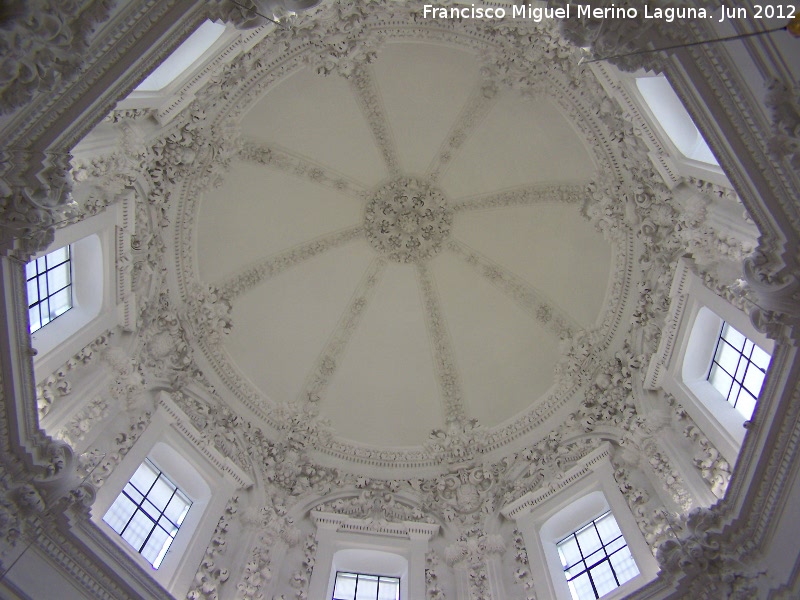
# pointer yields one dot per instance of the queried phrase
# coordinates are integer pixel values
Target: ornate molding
(407, 220)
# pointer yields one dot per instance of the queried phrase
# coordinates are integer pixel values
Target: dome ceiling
(412, 242)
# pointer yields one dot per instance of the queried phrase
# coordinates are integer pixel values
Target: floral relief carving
(210, 577)
(522, 574)
(433, 589)
(408, 220)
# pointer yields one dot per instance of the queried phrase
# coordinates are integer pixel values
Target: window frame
(101, 300)
(358, 575)
(739, 382)
(206, 477)
(680, 365)
(44, 275)
(356, 545)
(158, 513)
(605, 557)
(546, 516)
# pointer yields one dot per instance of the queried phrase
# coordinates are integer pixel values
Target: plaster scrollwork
(466, 496)
(376, 507)
(522, 574)
(210, 312)
(785, 104)
(58, 384)
(269, 267)
(343, 43)
(210, 576)
(776, 298)
(369, 100)
(446, 370)
(328, 360)
(540, 308)
(408, 220)
(471, 551)
(42, 44)
(433, 589)
(97, 463)
(276, 532)
(703, 550)
(299, 166)
(651, 517)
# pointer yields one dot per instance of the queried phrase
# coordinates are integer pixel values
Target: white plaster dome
(403, 249)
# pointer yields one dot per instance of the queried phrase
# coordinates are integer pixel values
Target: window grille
(596, 558)
(49, 282)
(359, 586)
(148, 512)
(738, 369)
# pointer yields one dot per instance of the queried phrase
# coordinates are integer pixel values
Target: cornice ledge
(531, 500)
(181, 422)
(405, 529)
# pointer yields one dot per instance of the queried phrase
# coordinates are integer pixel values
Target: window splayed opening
(148, 512)
(673, 119)
(49, 282)
(183, 57)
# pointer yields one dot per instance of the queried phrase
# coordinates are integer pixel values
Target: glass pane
(367, 587)
(58, 278)
(119, 513)
(60, 302)
(746, 405)
(760, 358)
(581, 588)
(41, 264)
(176, 509)
(137, 530)
(753, 381)
(603, 578)
(133, 493)
(608, 528)
(161, 493)
(624, 565)
(144, 477)
(615, 545)
(720, 380)
(168, 526)
(733, 337)
(57, 256)
(568, 550)
(33, 317)
(154, 546)
(727, 357)
(389, 589)
(30, 270)
(33, 292)
(345, 586)
(588, 540)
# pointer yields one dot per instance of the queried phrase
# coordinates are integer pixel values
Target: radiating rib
(469, 118)
(299, 166)
(521, 196)
(444, 359)
(545, 312)
(369, 100)
(328, 360)
(271, 266)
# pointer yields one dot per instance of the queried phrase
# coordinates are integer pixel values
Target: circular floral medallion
(407, 220)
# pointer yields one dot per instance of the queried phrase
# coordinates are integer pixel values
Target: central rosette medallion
(407, 220)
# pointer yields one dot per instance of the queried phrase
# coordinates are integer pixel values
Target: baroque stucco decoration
(466, 472)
